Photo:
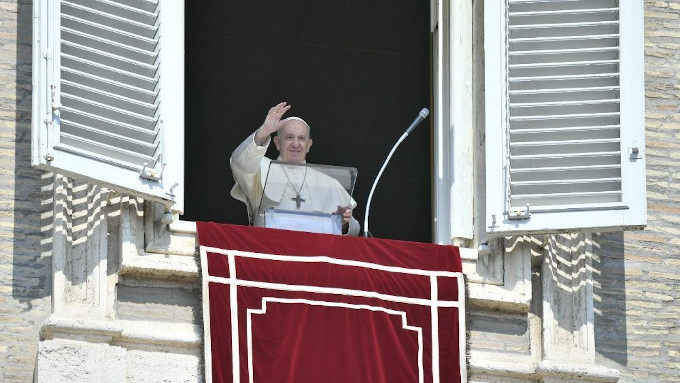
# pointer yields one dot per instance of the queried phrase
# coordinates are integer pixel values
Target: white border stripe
(233, 301)
(334, 261)
(337, 291)
(207, 343)
(434, 314)
(402, 314)
(462, 331)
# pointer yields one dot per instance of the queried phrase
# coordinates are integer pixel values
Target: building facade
(96, 285)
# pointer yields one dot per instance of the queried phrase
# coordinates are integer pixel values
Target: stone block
(61, 361)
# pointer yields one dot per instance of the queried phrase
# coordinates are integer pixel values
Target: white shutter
(108, 93)
(564, 115)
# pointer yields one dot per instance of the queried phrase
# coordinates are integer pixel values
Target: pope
(292, 140)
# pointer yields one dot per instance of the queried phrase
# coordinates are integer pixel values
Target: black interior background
(357, 71)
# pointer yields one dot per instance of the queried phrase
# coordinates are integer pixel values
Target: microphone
(421, 116)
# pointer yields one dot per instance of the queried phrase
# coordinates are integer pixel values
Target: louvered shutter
(108, 94)
(564, 115)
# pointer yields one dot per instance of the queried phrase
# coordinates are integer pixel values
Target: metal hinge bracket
(151, 173)
(519, 213)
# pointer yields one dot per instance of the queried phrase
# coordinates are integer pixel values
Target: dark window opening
(357, 71)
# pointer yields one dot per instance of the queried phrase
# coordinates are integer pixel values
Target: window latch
(517, 213)
(634, 151)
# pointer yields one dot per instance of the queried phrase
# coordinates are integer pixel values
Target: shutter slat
(564, 160)
(559, 26)
(528, 97)
(563, 90)
(564, 156)
(544, 148)
(121, 11)
(571, 143)
(561, 4)
(556, 38)
(519, 136)
(559, 201)
(564, 116)
(563, 42)
(112, 100)
(565, 173)
(562, 64)
(87, 27)
(109, 60)
(109, 86)
(565, 77)
(114, 140)
(111, 126)
(98, 70)
(561, 50)
(564, 187)
(144, 5)
(565, 58)
(112, 47)
(563, 103)
(100, 17)
(579, 13)
(77, 103)
(567, 129)
(105, 153)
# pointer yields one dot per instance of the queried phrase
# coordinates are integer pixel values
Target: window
(564, 108)
(564, 115)
(103, 107)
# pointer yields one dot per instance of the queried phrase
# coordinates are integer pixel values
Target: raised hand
(271, 123)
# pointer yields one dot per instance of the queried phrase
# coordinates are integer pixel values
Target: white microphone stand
(421, 116)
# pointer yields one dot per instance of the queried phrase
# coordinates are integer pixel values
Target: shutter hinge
(151, 173)
(49, 117)
(171, 193)
(519, 213)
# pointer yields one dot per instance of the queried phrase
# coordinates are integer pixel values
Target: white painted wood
(453, 117)
(564, 110)
(100, 112)
(462, 157)
(633, 111)
(442, 134)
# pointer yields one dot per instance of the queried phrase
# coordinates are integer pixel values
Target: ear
(310, 144)
(276, 142)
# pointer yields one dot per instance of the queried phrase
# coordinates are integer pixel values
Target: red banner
(283, 306)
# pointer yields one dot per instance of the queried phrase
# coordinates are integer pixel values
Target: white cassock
(317, 191)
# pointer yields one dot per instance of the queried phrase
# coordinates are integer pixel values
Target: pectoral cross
(297, 200)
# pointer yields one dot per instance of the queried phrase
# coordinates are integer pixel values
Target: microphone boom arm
(421, 116)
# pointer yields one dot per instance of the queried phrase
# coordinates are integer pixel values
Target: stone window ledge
(176, 335)
(483, 364)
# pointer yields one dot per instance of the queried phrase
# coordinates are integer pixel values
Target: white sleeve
(245, 162)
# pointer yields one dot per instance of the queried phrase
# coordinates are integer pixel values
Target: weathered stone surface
(636, 275)
(80, 362)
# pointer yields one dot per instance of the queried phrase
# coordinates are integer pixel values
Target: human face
(293, 143)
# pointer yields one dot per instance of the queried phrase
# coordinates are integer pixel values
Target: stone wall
(25, 205)
(637, 278)
(636, 275)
